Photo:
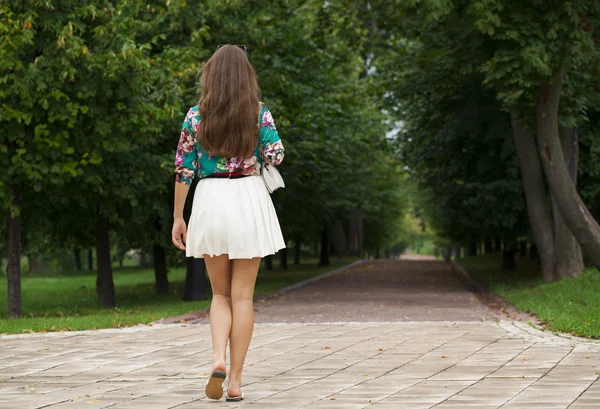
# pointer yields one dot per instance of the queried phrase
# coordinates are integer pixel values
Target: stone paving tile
(478, 365)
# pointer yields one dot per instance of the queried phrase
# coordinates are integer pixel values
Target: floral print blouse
(192, 160)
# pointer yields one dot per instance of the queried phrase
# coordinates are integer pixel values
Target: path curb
(488, 297)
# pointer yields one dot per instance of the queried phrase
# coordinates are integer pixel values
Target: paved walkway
(382, 365)
(382, 290)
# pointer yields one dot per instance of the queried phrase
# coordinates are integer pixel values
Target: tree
(84, 90)
(510, 50)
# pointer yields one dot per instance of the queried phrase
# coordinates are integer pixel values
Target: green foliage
(455, 139)
(94, 94)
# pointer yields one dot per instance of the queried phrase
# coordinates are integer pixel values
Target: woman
(224, 141)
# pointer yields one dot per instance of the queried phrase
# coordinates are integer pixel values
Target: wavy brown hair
(229, 104)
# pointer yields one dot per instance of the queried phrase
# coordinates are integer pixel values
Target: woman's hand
(179, 230)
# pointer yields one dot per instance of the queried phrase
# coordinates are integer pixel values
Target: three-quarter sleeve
(270, 143)
(186, 159)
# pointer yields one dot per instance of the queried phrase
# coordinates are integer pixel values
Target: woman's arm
(179, 228)
(271, 147)
(185, 169)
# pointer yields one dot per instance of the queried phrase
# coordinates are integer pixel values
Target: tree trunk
(77, 256)
(497, 244)
(90, 259)
(540, 218)
(377, 251)
(567, 252)
(447, 253)
(14, 256)
(324, 259)
(523, 249)
(508, 255)
(34, 265)
(574, 212)
(488, 247)
(473, 246)
(457, 252)
(269, 263)
(283, 262)
(105, 287)
(297, 248)
(195, 280)
(161, 281)
(533, 252)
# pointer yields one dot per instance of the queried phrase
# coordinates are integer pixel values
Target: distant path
(409, 255)
(381, 290)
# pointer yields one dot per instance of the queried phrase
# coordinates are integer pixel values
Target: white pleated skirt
(234, 217)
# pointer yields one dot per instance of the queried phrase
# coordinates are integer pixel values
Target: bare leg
(243, 278)
(219, 272)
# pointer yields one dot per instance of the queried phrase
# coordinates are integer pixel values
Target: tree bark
(567, 252)
(533, 252)
(14, 256)
(324, 259)
(269, 263)
(487, 245)
(523, 249)
(473, 246)
(297, 249)
(34, 265)
(448, 254)
(77, 256)
(497, 244)
(574, 212)
(540, 218)
(161, 280)
(90, 259)
(457, 253)
(105, 287)
(283, 261)
(195, 280)
(508, 254)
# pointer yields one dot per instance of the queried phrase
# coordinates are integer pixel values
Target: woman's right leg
(219, 272)
(243, 278)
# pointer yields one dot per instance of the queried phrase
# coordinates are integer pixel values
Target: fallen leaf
(332, 398)
(444, 356)
(326, 348)
(93, 401)
(366, 374)
(380, 349)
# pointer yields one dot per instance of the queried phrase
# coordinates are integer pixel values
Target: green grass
(568, 305)
(69, 301)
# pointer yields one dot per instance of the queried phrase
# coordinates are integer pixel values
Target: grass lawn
(69, 301)
(569, 305)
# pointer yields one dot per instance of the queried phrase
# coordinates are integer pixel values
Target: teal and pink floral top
(192, 160)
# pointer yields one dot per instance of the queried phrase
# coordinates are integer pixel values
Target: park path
(417, 288)
(453, 357)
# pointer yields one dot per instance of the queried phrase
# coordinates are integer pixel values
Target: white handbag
(271, 177)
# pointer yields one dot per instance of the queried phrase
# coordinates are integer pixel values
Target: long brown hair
(229, 104)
